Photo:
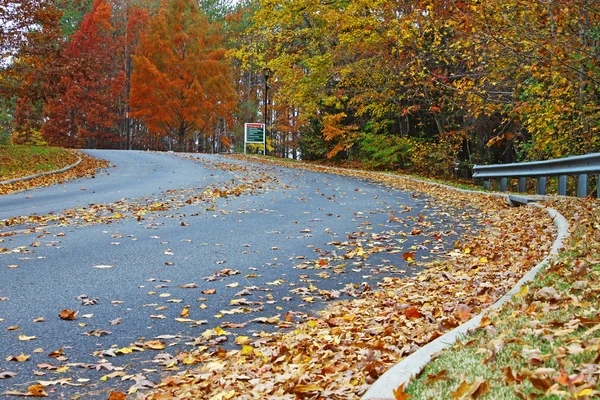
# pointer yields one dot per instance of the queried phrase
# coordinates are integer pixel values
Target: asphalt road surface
(161, 248)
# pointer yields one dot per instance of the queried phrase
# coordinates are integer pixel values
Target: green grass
(18, 161)
(526, 323)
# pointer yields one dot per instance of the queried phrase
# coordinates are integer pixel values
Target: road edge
(401, 373)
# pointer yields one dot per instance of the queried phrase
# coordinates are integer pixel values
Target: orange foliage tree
(86, 110)
(31, 39)
(180, 85)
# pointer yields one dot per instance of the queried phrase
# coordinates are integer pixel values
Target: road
(161, 249)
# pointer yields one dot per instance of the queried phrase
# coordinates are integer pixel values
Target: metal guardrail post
(486, 184)
(541, 187)
(582, 185)
(580, 166)
(562, 185)
(522, 185)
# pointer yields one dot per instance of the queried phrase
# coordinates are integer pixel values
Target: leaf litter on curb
(545, 342)
(340, 352)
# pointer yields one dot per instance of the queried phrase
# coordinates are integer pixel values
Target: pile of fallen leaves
(546, 342)
(339, 353)
(86, 168)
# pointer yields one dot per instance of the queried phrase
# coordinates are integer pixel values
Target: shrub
(386, 152)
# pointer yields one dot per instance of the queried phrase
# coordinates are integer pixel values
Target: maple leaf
(399, 393)
(20, 358)
(408, 256)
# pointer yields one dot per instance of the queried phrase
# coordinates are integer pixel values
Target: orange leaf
(36, 391)
(399, 393)
(117, 396)
(185, 312)
(440, 376)
(463, 312)
(412, 312)
(68, 314)
(56, 354)
(472, 390)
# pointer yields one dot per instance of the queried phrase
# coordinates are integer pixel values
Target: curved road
(153, 248)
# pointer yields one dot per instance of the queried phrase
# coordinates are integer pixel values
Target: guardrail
(579, 166)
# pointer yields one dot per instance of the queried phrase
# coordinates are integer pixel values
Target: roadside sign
(254, 133)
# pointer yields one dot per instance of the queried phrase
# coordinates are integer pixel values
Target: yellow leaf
(524, 290)
(242, 340)
(585, 392)
(125, 350)
(220, 331)
(247, 350)
(154, 345)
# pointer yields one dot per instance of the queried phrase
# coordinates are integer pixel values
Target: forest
(423, 86)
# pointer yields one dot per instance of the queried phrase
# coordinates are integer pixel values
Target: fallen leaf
(399, 393)
(411, 312)
(6, 374)
(468, 390)
(20, 358)
(463, 312)
(188, 286)
(154, 345)
(37, 391)
(68, 314)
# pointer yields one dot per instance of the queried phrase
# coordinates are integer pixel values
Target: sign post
(255, 133)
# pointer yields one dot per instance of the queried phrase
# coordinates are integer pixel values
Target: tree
(86, 109)
(180, 85)
(31, 41)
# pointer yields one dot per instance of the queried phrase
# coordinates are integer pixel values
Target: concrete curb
(30, 177)
(383, 388)
(402, 372)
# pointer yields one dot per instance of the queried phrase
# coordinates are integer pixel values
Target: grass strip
(545, 343)
(19, 161)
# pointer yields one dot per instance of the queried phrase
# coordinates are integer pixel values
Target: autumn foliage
(85, 110)
(179, 84)
(425, 85)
